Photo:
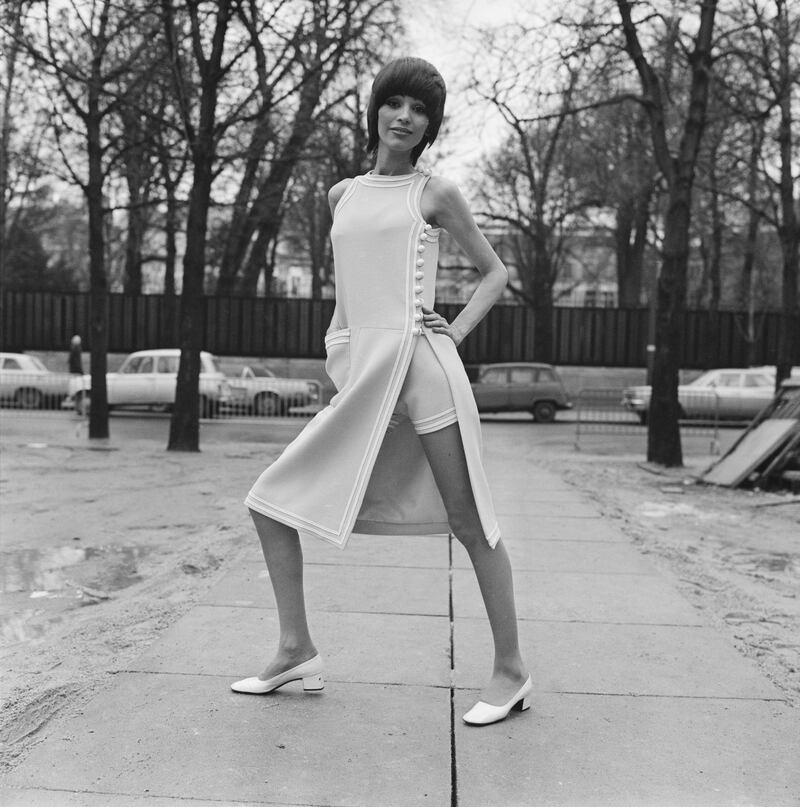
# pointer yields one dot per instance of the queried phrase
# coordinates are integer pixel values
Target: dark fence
(294, 328)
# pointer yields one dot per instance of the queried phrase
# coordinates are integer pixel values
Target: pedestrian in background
(76, 355)
(398, 450)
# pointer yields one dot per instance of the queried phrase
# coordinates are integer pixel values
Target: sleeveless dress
(358, 466)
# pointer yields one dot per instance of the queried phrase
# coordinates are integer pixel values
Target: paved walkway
(638, 701)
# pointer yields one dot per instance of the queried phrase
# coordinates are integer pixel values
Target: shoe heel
(524, 704)
(313, 683)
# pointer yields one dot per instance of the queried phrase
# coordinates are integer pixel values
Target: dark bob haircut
(416, 78)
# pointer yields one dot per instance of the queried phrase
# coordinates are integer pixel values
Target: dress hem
(360, 527)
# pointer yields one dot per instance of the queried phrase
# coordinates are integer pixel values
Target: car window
(261, 372)
(546, 374)
(495, 375)
(11, 364)
(522, 375)
(37, 363)
(167, 364)
(729, 380)
(751, 380)
(131, 365)
(211, 365)
(146, 365)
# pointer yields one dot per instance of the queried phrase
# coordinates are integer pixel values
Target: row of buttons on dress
(419, 276)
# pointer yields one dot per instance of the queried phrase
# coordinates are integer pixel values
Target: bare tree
(777, 59)
(89, 76)
(531, 185)
(335, 150)
(757, 78)
(678, 170)
(295, 89)
(11, 22)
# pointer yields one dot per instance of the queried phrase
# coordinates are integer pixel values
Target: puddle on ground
(49, 581)
(48, 572)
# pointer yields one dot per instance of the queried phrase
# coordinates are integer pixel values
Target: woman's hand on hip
(438, 324)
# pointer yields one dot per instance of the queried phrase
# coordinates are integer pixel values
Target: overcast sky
(443, 32)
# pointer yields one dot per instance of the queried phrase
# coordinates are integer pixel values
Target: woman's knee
(269, 528)
(468, 530)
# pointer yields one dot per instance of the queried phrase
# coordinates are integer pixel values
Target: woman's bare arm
(444, 206)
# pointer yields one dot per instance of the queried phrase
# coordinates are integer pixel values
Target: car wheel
(544, 411)
(28, 398)
(268, 405)
(82, 404)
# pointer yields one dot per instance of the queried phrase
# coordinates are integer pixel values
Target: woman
(398, 450)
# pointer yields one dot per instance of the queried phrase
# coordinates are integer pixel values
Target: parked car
(25, 382)
(260, 391)
(520, 387)
(148, 378)
(729, 394)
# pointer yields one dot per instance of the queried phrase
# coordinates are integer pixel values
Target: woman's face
(402, 121)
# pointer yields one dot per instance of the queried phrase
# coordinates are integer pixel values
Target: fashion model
(398, 450)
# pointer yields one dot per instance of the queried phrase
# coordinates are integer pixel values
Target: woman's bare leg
(445, 453)
(284, 557)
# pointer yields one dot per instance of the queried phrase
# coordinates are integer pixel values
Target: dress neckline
(371, 178)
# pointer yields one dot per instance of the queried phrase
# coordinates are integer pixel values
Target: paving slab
(36, 797)
(381, 550)
(566, 556)
(175, 736)
(616, 660)
(580, 597)
(520, 475)
(374, 589)
(560, 528)
(608, 751)
(536, 493)
(237, 642)
(575, 508)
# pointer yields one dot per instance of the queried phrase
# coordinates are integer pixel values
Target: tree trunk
(788, 228)
(240, 231)
(132, 282)
(627, 287)
(169, 310)
(633, 218)
(714, 257)
(542, 293)
(664, 438)
(98, 283)
(11, 54)
(184, 433)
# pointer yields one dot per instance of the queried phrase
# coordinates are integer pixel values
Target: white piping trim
(396, 378)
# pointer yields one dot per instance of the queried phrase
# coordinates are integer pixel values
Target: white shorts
(425, 397)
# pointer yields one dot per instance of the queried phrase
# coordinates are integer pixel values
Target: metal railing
(22, 393)
(602, 412)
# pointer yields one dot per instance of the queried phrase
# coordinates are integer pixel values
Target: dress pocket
(337, 364)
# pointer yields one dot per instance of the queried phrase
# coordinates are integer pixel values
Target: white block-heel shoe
(310, 672)
(481, 714)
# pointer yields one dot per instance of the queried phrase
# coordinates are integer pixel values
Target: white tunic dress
(350, 469)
